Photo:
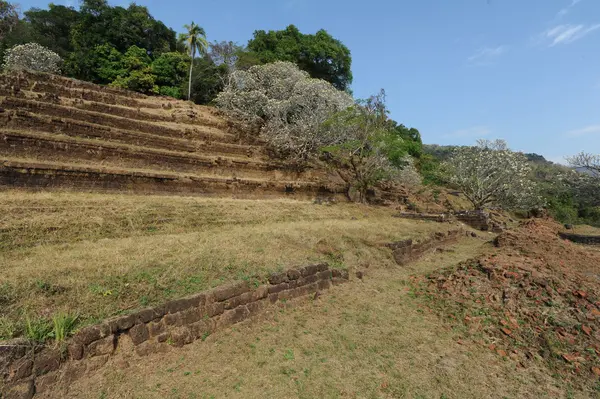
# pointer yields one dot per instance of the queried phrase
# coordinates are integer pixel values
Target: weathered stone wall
(440, 218)
(581, 239)
(476, 219)
(479, 220)
(26, 370)
(406, 251)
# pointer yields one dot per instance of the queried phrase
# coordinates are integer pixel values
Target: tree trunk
(190, 81)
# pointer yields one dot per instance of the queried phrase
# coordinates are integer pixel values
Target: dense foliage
(369, 149)
(322, 56)
(9, 18)
(103, 44)
(124, 47)
(572, 194)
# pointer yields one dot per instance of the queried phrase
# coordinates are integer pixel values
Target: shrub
(33, 57)
(7, 328)
(37, 330)
(174, 92)
(141, 81)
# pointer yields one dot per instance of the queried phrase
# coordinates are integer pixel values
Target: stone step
(60, 85)
(27, 121)
(167, 129)
(169, 110)
(64, 149)
(15, 173)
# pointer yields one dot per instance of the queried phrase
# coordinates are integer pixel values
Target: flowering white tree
(362, 157)
(490, 173)
(586, 182)
(33, 57)
(589, 163)
(286, 105)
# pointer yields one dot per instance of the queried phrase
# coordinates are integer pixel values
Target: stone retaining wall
(26, 370)
(406, 251)
(440, 218)
(581, 239)
(479, 220)
(476, 219)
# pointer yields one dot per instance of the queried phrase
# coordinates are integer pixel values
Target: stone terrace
(59, 133)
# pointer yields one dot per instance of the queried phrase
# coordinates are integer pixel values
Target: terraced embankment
(59, 133)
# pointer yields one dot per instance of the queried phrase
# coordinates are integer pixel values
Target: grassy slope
(585, 230)
(99, 255)
(365, 339)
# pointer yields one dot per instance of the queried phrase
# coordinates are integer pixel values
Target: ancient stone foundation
(406, 251)
(581, 239)
(440, 218)
(27, 369)
(479, 220)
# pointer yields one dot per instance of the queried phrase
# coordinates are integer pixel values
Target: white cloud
(592, 129)
(566, 10)
(472, 132)
(565, 34)
(486, 55)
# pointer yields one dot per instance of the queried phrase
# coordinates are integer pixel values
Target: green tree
(170, 70)
(136, 72)
(107, 63)
(322, 56)
(195, 40)
(9, 18)
(122, 28)
(366, 155)
(208, 80)
(52, 27)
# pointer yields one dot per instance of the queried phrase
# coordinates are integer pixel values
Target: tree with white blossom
(587, 162)
(586, 182)
(491, 174)
(286, 105)
(32, 57)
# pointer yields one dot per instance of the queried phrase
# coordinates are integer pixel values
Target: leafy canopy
(369, 150)
(322, 56)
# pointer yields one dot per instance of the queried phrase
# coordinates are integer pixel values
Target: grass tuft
(64, 325)
(38, 329)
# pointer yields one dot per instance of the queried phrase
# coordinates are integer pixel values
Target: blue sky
(527, 71)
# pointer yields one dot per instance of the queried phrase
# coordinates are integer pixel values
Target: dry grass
(109, 145)
(585, 230)
(99, 255)
(365, 339)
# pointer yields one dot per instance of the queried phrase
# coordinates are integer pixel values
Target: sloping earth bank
(534, 299)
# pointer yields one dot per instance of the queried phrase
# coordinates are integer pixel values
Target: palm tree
(194, 40)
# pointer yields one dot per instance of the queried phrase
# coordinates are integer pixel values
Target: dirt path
(365, 339)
